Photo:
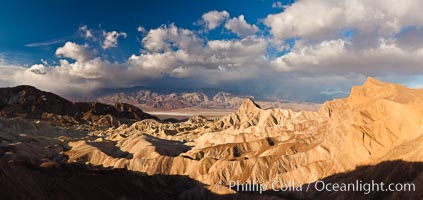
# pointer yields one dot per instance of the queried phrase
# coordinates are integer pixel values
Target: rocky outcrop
(31, 103)
(378, 123)
(279, 144)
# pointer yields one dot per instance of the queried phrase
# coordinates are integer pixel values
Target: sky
(305, 50)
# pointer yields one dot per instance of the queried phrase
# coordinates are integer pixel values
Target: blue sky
(51, 23)
(297, 50)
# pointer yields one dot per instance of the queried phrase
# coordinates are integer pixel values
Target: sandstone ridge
(378, 123)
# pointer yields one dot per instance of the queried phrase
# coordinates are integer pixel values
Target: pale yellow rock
(377, 122)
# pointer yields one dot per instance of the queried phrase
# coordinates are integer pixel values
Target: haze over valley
(189, 104)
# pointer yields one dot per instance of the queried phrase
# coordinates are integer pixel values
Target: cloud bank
(312, 50)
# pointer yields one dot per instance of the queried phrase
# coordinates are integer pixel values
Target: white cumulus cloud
(77, 52)
(240, 27)
(317, 49)
(214, 18)
(111, 38)
(87, 33)
(317, 18)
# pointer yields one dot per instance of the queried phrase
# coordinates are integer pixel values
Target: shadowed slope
(31, 103)
(372, 125)
(379, 122)
(70, 181)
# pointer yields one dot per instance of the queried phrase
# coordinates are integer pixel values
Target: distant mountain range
(148, 99)
(174, 100)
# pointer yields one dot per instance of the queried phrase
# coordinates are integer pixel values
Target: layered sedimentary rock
(379, 124)
(375, 123)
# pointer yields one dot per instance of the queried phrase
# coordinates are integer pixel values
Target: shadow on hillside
(396, 171)
(110, 148)
(165, 147)
(74, 181)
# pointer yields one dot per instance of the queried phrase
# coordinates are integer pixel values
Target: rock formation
(380, 125)
(31, 103)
